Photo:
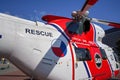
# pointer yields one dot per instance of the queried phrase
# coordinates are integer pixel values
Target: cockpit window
(82, 54)
(75, 27)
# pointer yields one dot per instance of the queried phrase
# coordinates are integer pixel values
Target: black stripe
(86, 69)
(0, 36)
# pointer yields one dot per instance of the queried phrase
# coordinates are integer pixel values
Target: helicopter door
(99, 66)
(82, 55)
(90, 64)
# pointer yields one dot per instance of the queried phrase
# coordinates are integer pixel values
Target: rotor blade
(87, 5)
(109, 23)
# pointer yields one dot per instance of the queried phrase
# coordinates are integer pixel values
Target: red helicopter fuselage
(83, 36)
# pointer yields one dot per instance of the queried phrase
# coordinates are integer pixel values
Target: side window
(116, 57)
(86, 25)
(104, 56)
(82, 54)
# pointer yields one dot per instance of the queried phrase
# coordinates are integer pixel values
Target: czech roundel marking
(59, 48)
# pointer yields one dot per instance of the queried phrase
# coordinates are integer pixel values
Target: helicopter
(60, 49)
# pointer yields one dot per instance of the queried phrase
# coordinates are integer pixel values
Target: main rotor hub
(78, 15)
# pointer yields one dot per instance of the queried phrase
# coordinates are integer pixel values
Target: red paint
(73, 63)
(116, 73)
(91, 2)
(99, 73)
(49, 18)
(58, 52)
(116, 25)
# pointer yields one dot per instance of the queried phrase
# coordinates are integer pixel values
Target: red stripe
(91, 2)
(73, 67)
(116, 25)
(88, 2)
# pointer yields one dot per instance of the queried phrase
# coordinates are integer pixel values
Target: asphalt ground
(13, 73)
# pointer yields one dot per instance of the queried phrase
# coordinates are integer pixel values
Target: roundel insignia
(98, 60)
(59, 48)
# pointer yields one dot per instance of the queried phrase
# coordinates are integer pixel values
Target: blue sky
(35, 9)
